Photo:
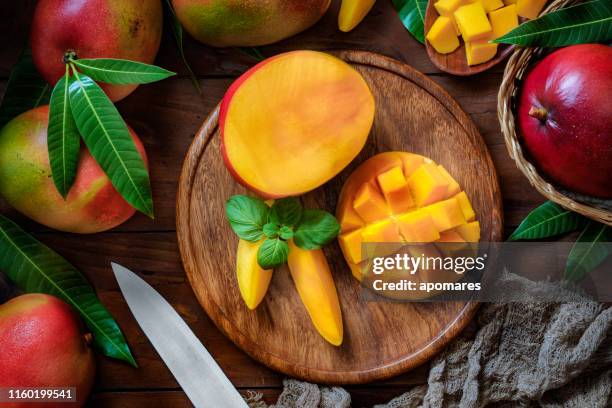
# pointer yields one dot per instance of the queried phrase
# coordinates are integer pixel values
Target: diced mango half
(395, 190)
(418, 226)
(530, 8)
(470, 232)
(473, 22)
(490, 5)
(350, 243)
(443, 36)
(427, 184)
(466, 206)
(453, 186)
(446, 214)
(478, 52)
(370, 204)
(503, 20)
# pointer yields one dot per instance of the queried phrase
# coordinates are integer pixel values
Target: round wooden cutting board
(381, 339)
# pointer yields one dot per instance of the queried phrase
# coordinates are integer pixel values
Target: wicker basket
(520, 60)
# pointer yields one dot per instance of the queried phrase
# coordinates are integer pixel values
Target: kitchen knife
(191, 364)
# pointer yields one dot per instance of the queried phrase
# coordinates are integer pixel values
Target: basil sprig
(253, 220)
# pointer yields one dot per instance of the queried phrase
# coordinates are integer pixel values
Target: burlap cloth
(524, 354)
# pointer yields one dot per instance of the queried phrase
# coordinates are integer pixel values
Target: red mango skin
(44, 344)
(573, 143)
(92, 205)
(124, 29)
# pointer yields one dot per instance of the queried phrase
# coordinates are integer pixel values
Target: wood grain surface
(167, 115)
(456, 62)
(382, 339)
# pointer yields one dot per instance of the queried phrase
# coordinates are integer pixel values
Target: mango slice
(352, 12)
(369, 204)
(530, 8)
(396, 190)
(473, 22)
(427, 184)
(294, 108)
(313, 280)
(466, 206)
(443, 35)
(503, 20)
(253, 280)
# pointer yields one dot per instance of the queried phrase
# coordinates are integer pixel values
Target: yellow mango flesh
(508, 2)
(503, 20)
(294, 108)
(530, 8)
(395, 189)
(352, 12)
(443, 36)
(490, 5)
(473, 22)
(478, 52)
(446, 8)
(433, 213)
(313, 280)
(253, 280)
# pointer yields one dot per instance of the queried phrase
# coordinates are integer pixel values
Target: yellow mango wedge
(352, 12)
(253, 280)
(315, 285)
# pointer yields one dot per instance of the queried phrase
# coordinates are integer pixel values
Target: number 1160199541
(50, 394)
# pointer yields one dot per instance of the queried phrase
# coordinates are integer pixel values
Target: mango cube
(396, 191)
(466, 206)
(503, 20)
(490, 5)
(473, 22)
(453, 186)
(427, 185)
(381, 231)
(452, 243)
(417, 226)
(470, 232)
(443, 36)
(351, 245)
(370, 204)
(478, 52)
(530, 8)
(350, 220)
(446, 8)
(411, 163)
(446, 214)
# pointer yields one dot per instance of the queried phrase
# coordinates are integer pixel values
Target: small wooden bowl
(519, 63)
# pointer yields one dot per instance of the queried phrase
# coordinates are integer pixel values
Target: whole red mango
(43, 344)
(124, 29)
(565, 118)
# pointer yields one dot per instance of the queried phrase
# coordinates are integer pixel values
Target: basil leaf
(412, 14)
(121, 72)
(25, 89)
(247, 216)
(286, 232)
(270, 230)
(63, 140)
(286, 211)
(547, 220)
(579, 24)
(272, 253)
(109, 142)
(35, 268)
(316, 229)
(590, 250)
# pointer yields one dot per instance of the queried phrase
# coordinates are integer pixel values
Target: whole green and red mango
(565, 118)
(92, 205)
(44, 344)
(241, 23)
(124, 29)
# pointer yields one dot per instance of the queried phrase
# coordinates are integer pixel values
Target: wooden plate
(381, 339)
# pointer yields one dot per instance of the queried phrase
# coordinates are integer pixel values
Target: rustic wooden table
(166, 115)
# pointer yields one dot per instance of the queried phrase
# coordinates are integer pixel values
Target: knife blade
(190, 363)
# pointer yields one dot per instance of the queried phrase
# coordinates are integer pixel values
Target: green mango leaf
(109, 142)
(412, 14)
(25, 89)
(590, 250)
(316, 229)
(35, 268)
(121, 72)
(286, 211)
(272, 253)
(579, 24)
(247, 216)
(177, 32)
(547, 220)
(63, 140)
